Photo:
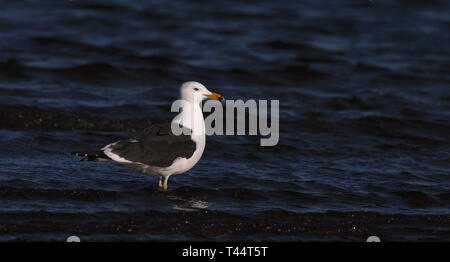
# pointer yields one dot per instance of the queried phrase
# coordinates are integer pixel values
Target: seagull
(157, 150)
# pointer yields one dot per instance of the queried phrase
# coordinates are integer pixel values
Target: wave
(34, 118)
(416, 198)
(74, 194)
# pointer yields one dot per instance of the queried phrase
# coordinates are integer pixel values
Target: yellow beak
(215, 96)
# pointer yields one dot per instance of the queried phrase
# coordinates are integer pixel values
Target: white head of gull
(192, 94)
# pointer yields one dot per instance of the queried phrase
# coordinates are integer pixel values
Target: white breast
(192, 118)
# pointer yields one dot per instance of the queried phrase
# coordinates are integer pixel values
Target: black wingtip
(93, 155)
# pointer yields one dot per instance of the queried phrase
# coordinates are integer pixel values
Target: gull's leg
(165, 183)
(160, 183)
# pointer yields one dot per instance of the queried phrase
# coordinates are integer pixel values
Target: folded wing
(155, 146)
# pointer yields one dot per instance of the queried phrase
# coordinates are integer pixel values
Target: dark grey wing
(155, 146)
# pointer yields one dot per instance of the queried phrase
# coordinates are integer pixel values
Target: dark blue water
(364, 119)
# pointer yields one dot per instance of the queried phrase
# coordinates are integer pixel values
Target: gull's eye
(196, 89)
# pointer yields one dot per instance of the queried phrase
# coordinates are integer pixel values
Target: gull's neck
(192, 118)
